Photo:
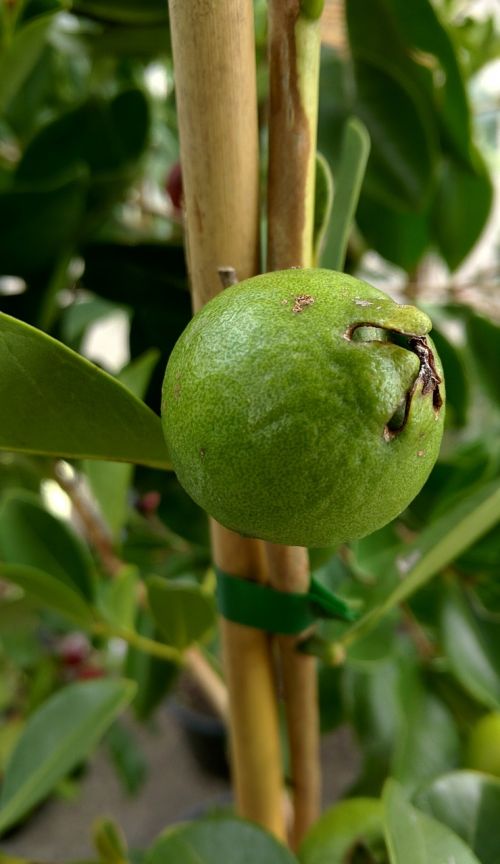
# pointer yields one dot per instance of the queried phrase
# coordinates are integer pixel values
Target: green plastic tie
(265, 608)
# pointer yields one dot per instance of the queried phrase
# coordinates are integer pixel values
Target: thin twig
(100, 541)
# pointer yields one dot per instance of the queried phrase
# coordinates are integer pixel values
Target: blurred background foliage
(91, 237)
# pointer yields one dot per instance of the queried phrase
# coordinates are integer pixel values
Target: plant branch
(100, 541)
(294, 38)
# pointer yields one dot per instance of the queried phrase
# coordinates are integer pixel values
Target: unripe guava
(304, 407)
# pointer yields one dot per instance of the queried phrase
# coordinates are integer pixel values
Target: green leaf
(433, 48)
(414, 838)
(420, 757)
(348, 180)
(44, 217)
(124, 11)
(79, 316)
(401, 165)
(110, 842)
(461, 208)
(55, 739)
(323, 199)
(154, 677)
(111, 481)
(127, 756)
(469, 803)
(104, 135)
(395, 106)
(472, 645)
(372, 707)
(20, 56)
(184, 613)
(56, 403)
(438, 545)
(483, 337)
(32, 536)
(335, 836)
(210, 841)
(456, 377)
(49, 592)
(118, 598)
(399, 236)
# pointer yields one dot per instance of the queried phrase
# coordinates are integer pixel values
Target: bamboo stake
(294, 75)
(214, 59)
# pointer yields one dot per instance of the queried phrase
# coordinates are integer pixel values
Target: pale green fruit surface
(276, 408)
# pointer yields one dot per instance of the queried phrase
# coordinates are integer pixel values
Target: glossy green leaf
(210, 841)
(461, 208)
(56, 403)
(483, 337)
(347, 187)
(49, 592)
(400, 169)
(56, 739)
(183, 613)
(30, 535)
(20, 56)
(45, 217)
(323, 199)
(434, 49)
(110, 481)
(414, 838)
(440, 543)
(394, 106)
(472, 645)
(469, 803)
(399, 236)
(350, 825)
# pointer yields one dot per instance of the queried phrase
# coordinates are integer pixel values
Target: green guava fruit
(304, 407)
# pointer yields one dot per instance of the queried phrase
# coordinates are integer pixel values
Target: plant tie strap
(265, 608)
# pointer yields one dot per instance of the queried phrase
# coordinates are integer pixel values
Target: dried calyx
(427, 374)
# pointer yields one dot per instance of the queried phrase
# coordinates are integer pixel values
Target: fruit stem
(215, 78)
(294, 40)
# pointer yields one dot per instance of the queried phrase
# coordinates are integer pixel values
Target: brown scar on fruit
(301, 302)
(427, 374)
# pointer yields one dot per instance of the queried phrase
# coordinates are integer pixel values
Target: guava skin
(277, 417)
